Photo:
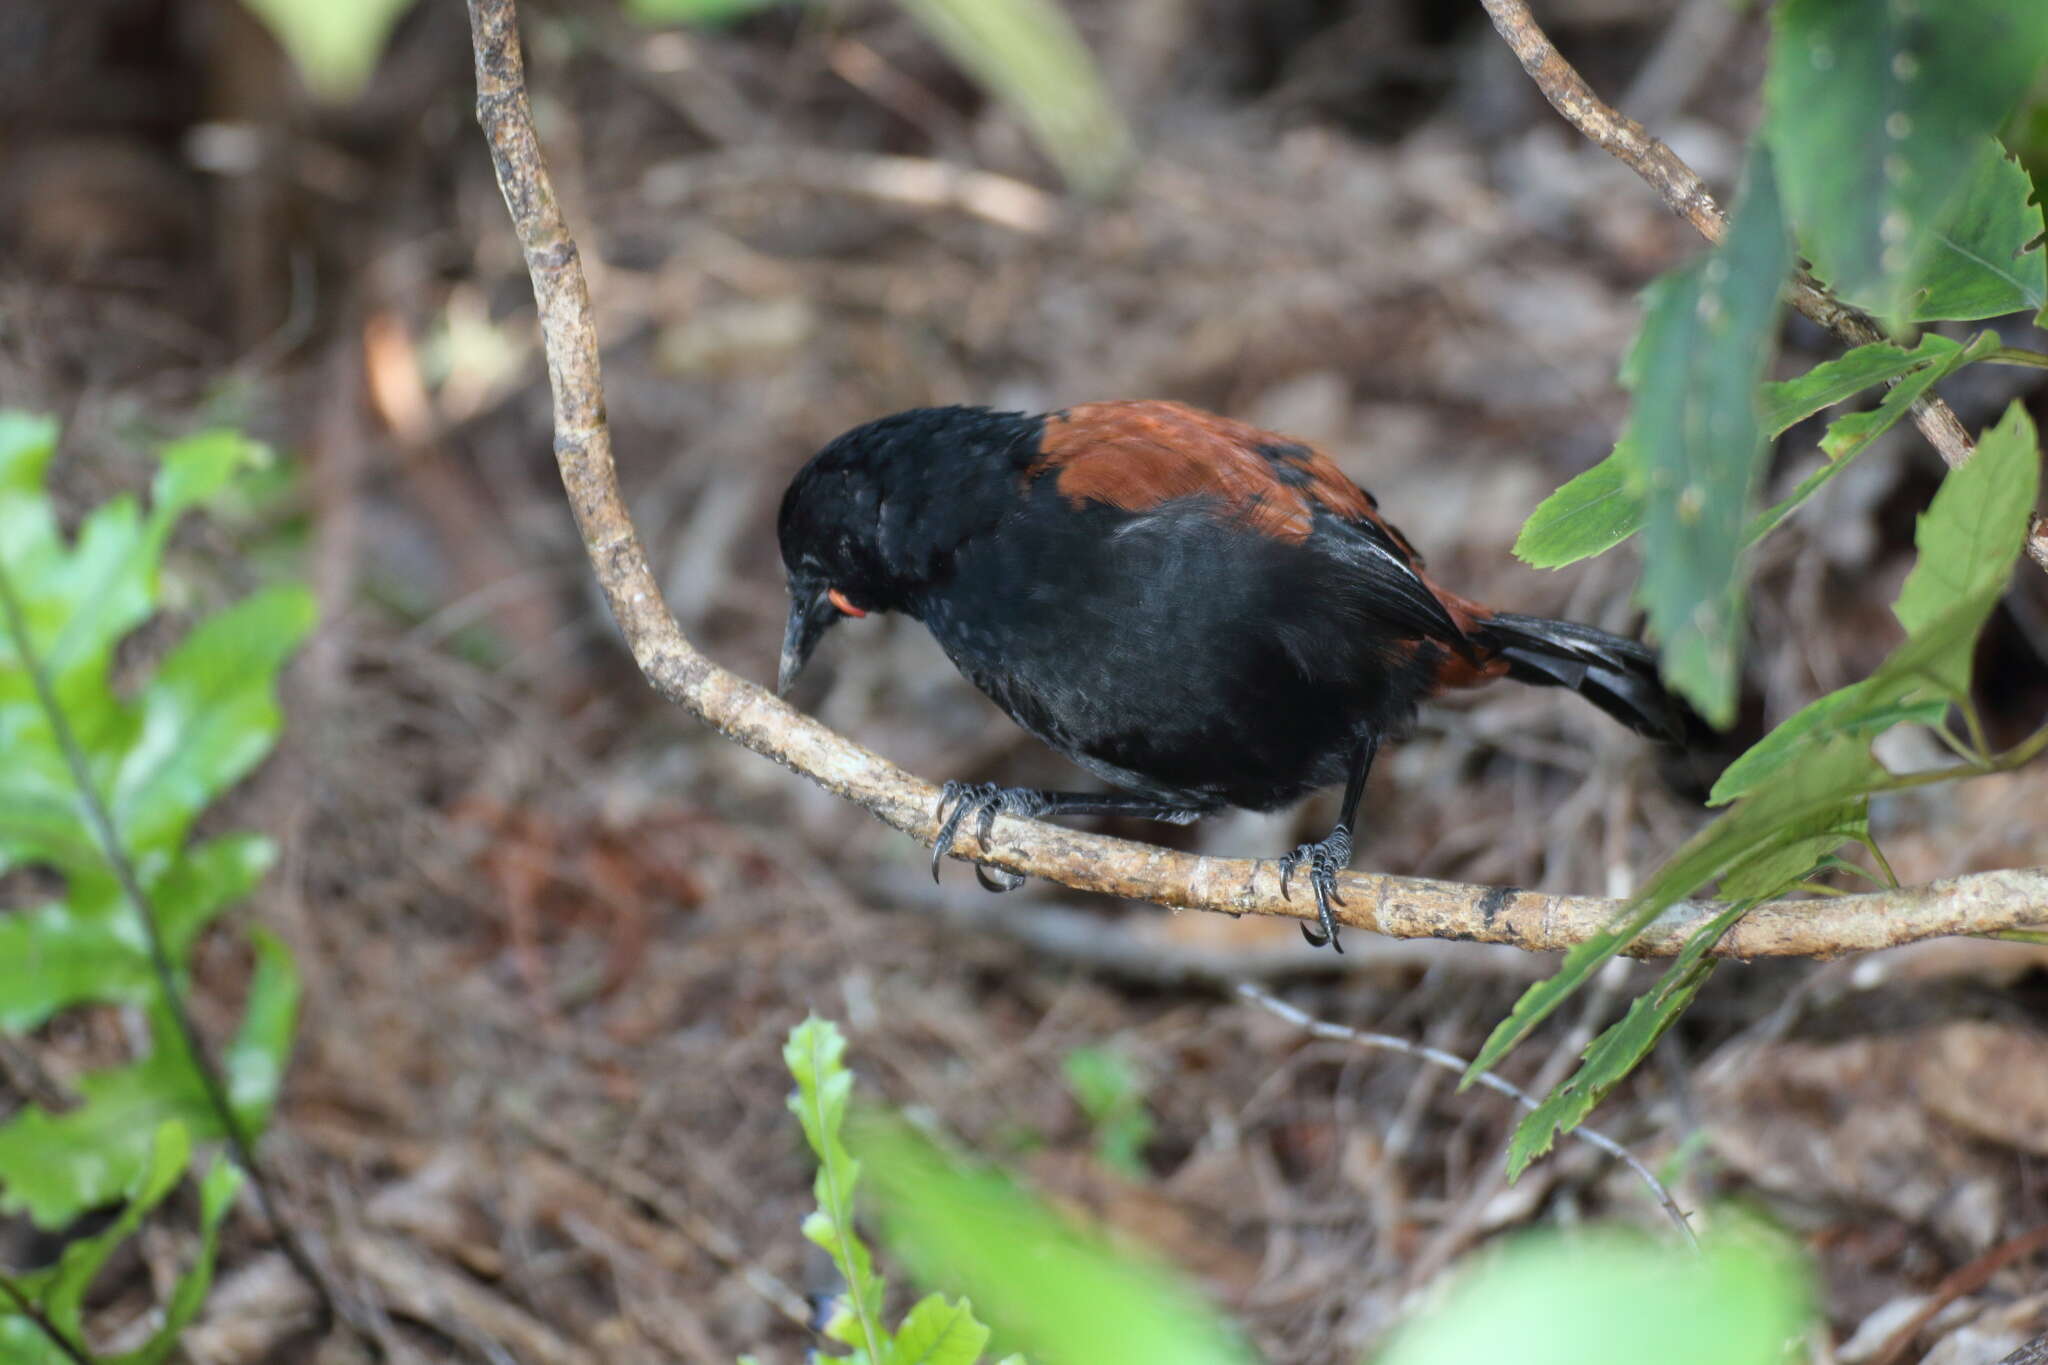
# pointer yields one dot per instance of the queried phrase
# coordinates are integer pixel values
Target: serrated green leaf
(1615, 1053)
(1984, 261)
(1592, 513)
(1869, 109)
(1914, 685)
(1864, 709)
(1968, 540)
(936, 1332)
(1794, 400)
(1707, 336)
(1829, 774)
(1608, 1297)
(1849, 436)
(1971, 533)
(1038, 1282)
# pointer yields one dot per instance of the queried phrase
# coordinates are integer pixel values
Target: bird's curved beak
(811, 614)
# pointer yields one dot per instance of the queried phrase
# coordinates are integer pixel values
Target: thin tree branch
(1399, 907)
(1681, 188)
(1387, 1042)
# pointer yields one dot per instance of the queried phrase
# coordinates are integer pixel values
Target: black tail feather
(1617, 675)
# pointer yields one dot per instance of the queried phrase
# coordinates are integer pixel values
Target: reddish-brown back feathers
(1135, 455)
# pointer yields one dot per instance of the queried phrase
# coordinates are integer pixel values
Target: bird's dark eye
(844, 603)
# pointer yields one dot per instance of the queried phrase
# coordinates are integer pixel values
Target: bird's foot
(958, 800)
(1325, 860)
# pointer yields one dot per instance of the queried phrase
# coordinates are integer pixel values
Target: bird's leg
(1332, 855)
(986, 799)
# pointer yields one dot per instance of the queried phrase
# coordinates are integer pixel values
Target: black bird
(1198, 612)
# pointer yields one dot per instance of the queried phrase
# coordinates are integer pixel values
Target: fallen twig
(1387, 1042)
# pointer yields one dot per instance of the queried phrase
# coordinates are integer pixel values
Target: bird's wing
(1137, 455)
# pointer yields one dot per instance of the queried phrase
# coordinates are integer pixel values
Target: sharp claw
(985, 801)
(1324, 860)
(997, 880)
(958, 796)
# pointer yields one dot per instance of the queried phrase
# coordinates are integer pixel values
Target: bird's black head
(876, 516)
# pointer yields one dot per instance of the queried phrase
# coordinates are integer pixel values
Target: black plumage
(1200, 613)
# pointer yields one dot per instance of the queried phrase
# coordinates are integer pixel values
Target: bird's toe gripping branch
(1325, 860)
(959, 800)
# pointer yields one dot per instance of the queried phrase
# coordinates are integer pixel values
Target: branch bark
(1400, 907)
(1681, 188)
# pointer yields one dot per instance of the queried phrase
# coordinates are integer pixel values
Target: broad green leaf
(1044, 1287)
(1593, 512)
(1831, 381)
(1706, 339)
(335, 44)
(1849, 436)
(1869, 110)
(1984, 261)
(1608, 1297)
(88, 945)
(1614, 1054)
(936, 1332)
(207, 716)
(1971, 533)
(1829, 775)
(54, 1167)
